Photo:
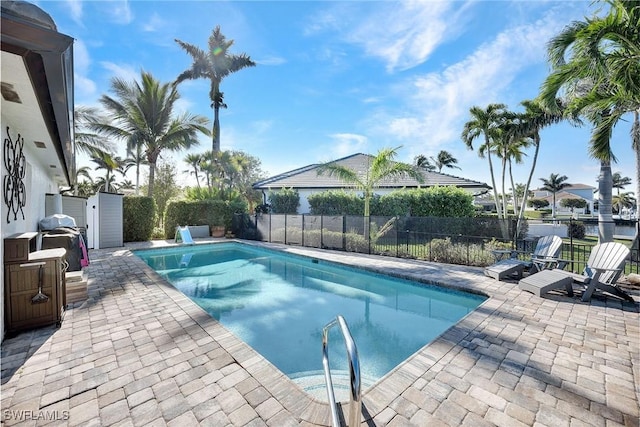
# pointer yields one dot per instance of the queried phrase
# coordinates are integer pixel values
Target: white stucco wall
(37, 183)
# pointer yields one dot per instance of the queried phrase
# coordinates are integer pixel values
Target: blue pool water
(279, 303)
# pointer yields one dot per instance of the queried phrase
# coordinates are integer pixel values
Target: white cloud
(85, 87)
(401, 34)
(155, 23)
(344, 144)
(120, 11)
(271, 60)
(405, 34)
(438, 102)
(123, 71)
(75, 8)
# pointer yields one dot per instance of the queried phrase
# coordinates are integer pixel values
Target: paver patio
(140, 353)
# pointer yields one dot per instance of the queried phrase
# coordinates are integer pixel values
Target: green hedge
(138, 218)
(451, 202)
(284, 201)
(336, 202)
(200, 212)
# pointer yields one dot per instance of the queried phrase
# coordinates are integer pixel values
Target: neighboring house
(574, 191)
(37, 110)
(307, 181)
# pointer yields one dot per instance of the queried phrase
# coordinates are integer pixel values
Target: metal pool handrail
(355, 408)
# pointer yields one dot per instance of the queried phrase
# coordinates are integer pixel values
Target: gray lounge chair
(604, 267)
(545, 256)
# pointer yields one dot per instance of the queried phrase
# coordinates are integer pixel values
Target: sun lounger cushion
(547, 280)
(505, 268)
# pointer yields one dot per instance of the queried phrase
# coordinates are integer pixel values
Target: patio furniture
(545, 256)
(604, 267)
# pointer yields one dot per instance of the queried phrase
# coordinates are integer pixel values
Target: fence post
(285, 229)
(367, 230)
(302, 230)
(321, 232)
(269, 227)
(344, 232)
(407, 240)
(571, 241)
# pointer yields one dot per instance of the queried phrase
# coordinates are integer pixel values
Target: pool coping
(516, 360)
(286, 391)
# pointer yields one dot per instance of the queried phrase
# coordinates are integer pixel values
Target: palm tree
(554, 184)
(87, 141)
(126, 184)
(620, 182)
(194, 160)
(596, 63)
(515, 154)
(137, 157)
(622, 201)
(445, 159)
(533, 120)
(215, 64)
(423, 162)
(382, 166)
(142, 115)
(84, 172)
(109, 163)
(485, 122)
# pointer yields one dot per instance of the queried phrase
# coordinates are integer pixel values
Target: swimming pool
(278, 304)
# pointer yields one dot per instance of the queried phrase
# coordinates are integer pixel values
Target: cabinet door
(23, 283)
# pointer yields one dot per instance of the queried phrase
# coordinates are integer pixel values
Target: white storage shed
(105, 221)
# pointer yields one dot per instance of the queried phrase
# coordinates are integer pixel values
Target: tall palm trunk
(215, 144)
(513, 190)
(635, 138)
(137, 179)
(504, 192)
(605, 193)
(493, 182)
(536, 140)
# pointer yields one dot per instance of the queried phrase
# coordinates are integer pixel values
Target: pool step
(312, 382)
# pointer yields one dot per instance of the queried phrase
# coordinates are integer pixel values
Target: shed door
(110, 220)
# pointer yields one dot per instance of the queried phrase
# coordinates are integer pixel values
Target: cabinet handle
(32, 264)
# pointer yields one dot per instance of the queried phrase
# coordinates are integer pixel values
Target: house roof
(37, 86)
(307, 177)
(573, 187)
(561, 195)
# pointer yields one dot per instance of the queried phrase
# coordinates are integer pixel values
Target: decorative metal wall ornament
(15, 193)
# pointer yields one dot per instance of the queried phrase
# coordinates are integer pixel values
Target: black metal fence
(466, 241)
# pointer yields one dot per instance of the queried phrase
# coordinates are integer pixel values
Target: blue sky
(336, 78)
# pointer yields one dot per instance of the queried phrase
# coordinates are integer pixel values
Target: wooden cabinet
(25, 283)
(17, 247)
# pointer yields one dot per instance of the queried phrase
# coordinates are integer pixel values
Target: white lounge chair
(604, 267)
(545, 256)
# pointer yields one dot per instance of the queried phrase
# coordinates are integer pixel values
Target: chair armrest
(544, 258)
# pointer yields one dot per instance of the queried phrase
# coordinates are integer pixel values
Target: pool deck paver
(139, 353)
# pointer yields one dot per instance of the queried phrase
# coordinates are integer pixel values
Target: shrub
(449, 202)
(138, 218)
(284, 201)
(576, 229)
(200, 212)
(337, 202)
(537, 203)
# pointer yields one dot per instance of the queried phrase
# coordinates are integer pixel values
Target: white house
(38, 155)
(574, 191)
(307, 181)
